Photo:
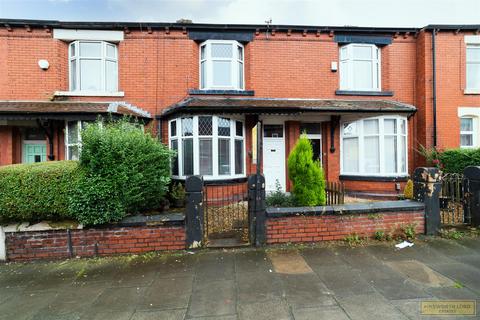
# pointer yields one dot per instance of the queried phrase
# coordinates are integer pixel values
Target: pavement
(326, 281)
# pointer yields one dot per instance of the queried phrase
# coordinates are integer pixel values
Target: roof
(16, 110)
(109, 25)
(278, 105)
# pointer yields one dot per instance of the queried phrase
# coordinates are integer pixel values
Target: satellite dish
(43, 64)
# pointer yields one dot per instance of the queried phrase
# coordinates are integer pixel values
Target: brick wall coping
(347, 209)
(170, 219)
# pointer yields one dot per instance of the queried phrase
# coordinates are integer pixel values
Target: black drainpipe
(434, 90)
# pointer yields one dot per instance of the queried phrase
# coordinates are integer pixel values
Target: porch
(37, 131)
(365, 144)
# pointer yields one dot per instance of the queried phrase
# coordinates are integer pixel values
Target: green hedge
(33, 192)
(126, 171)
(456, 160)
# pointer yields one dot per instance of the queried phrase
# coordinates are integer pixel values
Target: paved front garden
(327, 281)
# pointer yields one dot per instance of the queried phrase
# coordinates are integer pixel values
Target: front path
(322, 282)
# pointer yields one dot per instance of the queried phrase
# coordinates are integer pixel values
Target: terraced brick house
(367, 98)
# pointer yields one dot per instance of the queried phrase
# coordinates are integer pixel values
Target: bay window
(73, 139)
(221, 65)
(360, 67)
(473, 68)
(211, 146)
(374, 146)
(93, 66)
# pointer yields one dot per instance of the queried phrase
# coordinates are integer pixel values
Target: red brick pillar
(292, 133)
(332, 158)
(6, 145)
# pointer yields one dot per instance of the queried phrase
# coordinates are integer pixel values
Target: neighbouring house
(367, 98)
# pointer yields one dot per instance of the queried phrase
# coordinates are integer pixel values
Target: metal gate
(226, 215)
(453, 208)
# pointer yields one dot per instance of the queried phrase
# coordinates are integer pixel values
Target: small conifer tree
(408, 191)
(306, 175)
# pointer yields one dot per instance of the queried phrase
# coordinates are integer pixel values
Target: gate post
(472, 193)
(256, 209)
(426, 188)
(194, 212)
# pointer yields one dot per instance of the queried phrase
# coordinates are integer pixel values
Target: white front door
(274, 156)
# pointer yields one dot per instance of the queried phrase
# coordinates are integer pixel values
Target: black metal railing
(452, 199)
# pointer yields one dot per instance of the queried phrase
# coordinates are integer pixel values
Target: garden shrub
(306, 175)
(456, 160)
(278, 198)
(408, 191)
(125, 171)
(38, 191)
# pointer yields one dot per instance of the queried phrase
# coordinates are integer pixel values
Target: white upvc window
(374, 147)
(360, 67)
(73, 139)
(222, 65)
(211, 146)
(93, 66)
(473, 68)
(468, 132)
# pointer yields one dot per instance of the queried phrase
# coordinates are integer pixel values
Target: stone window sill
(222, 92)
(471, 91)
(88, 94)
(363, 93)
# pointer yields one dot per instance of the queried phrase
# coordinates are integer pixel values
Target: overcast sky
(395, 13)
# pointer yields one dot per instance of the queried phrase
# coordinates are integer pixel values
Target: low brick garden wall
(132, 235)
(336, 222)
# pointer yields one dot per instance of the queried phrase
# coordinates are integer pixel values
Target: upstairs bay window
(93, 66)
(374, 147)
(221, 65)
(473, 68)
(210, 146)
(360, 67)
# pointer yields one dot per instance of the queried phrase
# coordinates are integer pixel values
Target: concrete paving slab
(453, 293)
(25, 305)
(215, 266)
(464, 274)
(370, 306)
(306, 290)
(322, 256)
(420, 273)
(320, 313)
(288, 262)
(471, 243)
(118, 299)
(252, 261)
(388, 282)
(232, 317)
(212, 298)
(451, 248)
(270, 310)
(7, 293)
(122, 315)
(167, 294)
(156, 315)
(342, 280)
(258, 287)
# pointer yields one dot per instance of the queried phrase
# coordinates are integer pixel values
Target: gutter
(434, 90)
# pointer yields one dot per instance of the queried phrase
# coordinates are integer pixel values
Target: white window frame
(103, 58)
(235, 62)
(79, 138)
(312, 136)
(347, 61)
(382, 134)
(473, 133)
(473, 90)
(196, 146)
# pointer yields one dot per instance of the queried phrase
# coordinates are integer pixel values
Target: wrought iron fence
(452, 199)
(335, 193)
(226, 212)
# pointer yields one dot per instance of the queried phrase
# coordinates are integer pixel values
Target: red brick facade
(158, 66)
(337, 227)
(33, 245)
